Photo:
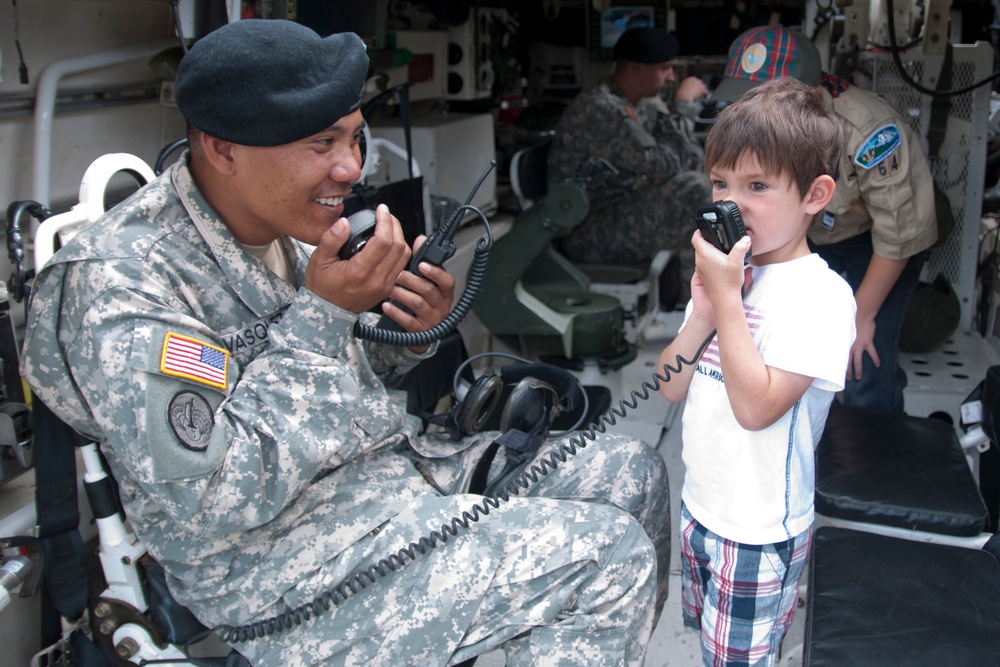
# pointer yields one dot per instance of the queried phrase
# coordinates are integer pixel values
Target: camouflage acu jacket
(249, 430)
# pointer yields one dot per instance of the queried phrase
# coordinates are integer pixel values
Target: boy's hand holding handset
(722, 252)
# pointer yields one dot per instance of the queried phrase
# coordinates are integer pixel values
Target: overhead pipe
(45, 101)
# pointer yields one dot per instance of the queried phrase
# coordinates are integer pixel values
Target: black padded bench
(902, 570)
(896, 471)
(876, 601)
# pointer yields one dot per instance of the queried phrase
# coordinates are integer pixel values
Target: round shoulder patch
(879, 145)
(191, 419)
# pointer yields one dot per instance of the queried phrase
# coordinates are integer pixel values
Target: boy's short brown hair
(784, 126)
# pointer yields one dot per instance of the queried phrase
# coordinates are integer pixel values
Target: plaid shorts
(741, 597)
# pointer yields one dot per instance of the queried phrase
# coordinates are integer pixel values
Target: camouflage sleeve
(594, 126)
(392, 361)
(687, 109)
(230, 457)
(670, 129)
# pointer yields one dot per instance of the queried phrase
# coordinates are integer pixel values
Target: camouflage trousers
(655, 217)
(566, 573)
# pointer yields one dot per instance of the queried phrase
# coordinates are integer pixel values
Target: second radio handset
(721, 224)
(438, 247)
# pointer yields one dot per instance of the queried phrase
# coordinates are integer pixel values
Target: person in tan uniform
(878, 227)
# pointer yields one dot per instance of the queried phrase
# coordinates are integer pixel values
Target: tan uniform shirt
(885, 184)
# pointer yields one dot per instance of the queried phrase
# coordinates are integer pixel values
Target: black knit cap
(267, 82)
(646, 45)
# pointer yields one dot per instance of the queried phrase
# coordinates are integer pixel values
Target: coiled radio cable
(340, 593)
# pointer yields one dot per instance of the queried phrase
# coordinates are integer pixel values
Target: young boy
(758, 397)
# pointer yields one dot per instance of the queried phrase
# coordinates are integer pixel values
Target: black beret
(267, 82)
(646, 45)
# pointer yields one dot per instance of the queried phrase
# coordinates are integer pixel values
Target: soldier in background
(650, 203)
(202, 333)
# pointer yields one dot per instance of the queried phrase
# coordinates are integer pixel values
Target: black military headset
(533, 395)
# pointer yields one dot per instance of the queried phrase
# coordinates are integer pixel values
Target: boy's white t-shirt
(756, 487)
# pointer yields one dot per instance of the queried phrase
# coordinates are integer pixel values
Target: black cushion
(877, 601)
(896, 470)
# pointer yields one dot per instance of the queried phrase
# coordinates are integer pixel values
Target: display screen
(616, 20)
(605, 26)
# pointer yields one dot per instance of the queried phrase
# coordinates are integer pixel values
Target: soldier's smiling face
(295, 189)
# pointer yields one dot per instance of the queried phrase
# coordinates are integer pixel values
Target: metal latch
(15, 431)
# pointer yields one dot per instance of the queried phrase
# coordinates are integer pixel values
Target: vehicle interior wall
(100, 63)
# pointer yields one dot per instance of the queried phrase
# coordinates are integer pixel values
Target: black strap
(404, 113)
(520, 449)
(940, 108)
(64, 589)
(402, 90)
(479, 476)
(85, 653)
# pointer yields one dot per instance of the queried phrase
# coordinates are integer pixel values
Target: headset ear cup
(479, 403)
(531, 407)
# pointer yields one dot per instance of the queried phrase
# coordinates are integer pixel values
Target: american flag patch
(194, 360)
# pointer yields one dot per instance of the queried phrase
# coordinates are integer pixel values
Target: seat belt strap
(64, 588)
(402, 91)
(404, 116)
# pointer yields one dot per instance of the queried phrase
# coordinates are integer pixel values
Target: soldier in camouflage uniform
(650, 203)
(202, 333)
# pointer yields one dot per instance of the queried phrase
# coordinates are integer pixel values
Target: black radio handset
(362, 228)
(438, 247)
(721, 224)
